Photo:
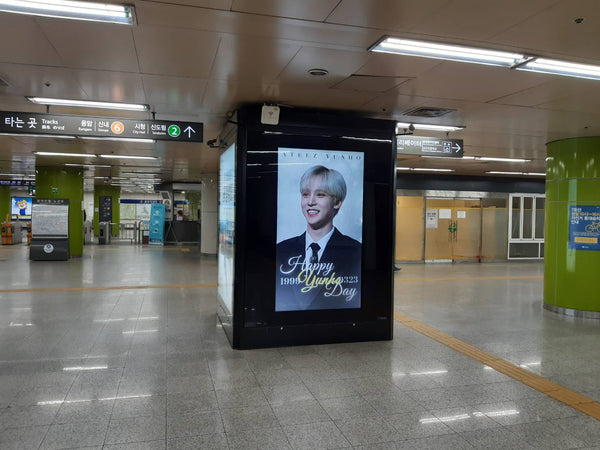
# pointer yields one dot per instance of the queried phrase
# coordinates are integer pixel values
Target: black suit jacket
(333, 283)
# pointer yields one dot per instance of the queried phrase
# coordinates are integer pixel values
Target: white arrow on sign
(189, 130)
(456, 147)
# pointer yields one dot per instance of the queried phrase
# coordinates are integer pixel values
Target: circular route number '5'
(117, 127)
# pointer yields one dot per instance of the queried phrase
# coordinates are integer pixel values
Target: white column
(208, 214)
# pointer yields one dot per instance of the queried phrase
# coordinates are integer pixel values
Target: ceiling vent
(428, 111)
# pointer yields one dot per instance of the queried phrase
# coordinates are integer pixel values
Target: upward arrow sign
(189, 130)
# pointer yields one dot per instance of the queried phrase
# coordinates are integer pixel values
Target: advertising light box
(21, 207)
(319, 229)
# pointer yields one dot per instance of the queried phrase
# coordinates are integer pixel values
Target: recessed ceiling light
(69, 9)
(88, 104)
(318, 72)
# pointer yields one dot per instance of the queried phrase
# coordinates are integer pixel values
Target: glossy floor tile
(110, 351)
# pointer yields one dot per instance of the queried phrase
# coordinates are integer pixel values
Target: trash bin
(104, 233)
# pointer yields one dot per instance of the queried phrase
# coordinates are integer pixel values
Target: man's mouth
(312, 212)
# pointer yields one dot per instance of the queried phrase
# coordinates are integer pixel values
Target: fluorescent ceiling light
(554, 67)
(533, 174)
(146, 141)
(67, 9)
(12, 174)
(425, 169)
(447, 51)
(426, 126)
(88, 165)
(80, 155)
(127, 157)
(88, 103)
(483, 158)
(38, 135)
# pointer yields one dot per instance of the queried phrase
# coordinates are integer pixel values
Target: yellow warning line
(517, 277)
(568, 397)
(114, 288)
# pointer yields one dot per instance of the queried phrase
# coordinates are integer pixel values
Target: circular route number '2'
(117, 127)
(174, 131)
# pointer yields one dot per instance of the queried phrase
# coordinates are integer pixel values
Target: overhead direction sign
(428, 146)
(99, 127)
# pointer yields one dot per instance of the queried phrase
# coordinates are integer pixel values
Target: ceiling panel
(340, 65)
(389, 65)
(227, 22)
(211, 4)
(250, 58)
(22, 41)
(384, 14)
(474, 82)
(170, 51)
(40, 81)
(306, 9)
(91, 45)
(178, 93)
(476, 19)
(554, 33)
(119, 87)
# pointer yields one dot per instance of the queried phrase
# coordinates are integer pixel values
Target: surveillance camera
(411, 127)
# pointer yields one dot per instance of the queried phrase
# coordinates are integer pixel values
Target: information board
(105, 211)
(50, 217)
(98, 126)
(429, 146)
(584, 227)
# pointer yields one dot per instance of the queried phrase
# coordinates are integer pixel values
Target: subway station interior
(468, 134)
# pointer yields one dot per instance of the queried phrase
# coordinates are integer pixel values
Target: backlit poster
(584, 227)
(226, 227)
(319, 229)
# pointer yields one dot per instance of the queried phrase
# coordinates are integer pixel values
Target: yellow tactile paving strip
(114, 288)
(414, 280)
(568, 397)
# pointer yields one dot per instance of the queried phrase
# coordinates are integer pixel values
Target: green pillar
(107, 191)
(571, 275)
(4, 203)
(64, 182)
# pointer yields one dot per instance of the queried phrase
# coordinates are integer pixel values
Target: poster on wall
(319, 229)
(431, 218)
(584, 227)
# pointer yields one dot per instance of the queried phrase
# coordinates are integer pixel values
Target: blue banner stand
(156, 233)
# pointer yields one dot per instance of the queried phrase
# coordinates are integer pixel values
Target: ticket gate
(11, 233)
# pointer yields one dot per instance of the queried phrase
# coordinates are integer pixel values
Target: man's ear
(337, 206)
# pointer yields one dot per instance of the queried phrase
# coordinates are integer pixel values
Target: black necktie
(314, 258)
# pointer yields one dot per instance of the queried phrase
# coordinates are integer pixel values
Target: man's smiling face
(319, 207)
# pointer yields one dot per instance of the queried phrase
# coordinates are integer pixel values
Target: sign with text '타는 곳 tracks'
(99, 127)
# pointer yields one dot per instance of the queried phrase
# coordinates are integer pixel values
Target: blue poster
(584, 227)
(157, 224)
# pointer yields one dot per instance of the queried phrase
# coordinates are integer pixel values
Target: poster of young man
(319, 229)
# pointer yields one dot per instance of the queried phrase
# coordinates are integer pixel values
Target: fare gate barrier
(104, 233)
(11, 233)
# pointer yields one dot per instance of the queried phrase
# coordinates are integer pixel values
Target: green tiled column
(4, 202)
(64, 182)
(107, 191)
(572, 178)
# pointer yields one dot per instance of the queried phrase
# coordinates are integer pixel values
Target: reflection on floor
(149, 368)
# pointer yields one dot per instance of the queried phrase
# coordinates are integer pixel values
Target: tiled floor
(148, 368)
